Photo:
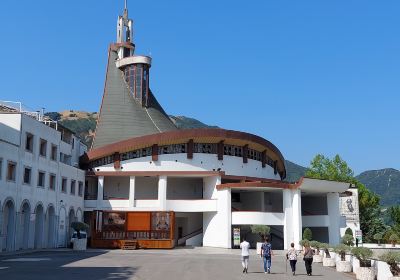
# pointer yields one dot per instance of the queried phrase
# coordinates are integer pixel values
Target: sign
(236, 237)
(358, 234)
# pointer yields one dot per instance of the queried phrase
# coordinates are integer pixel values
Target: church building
(149, 182)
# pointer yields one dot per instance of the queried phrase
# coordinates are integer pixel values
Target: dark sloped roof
(121, 117)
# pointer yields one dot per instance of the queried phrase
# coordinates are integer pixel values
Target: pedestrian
(291, 255)
(308, 257)
(266, 255)
(245, 246)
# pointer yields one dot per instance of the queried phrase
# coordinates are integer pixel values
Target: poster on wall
(236, 236)
(113, 221)
(358, 234)
(160, 221)
(349, 207)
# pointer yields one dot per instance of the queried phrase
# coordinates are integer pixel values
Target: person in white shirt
(245, 246)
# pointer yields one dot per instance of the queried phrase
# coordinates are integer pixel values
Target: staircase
(182, 241)
(128, 244)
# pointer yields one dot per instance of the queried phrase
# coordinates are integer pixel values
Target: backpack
(266, 249)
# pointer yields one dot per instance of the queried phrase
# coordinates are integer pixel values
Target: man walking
(266, 254)
(245, 246)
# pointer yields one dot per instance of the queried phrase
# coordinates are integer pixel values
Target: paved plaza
(178, 264)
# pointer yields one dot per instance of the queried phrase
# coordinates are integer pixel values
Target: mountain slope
(384, 182)
(294, 171)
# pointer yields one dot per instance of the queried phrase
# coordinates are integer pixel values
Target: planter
(328, 262)
(80, 244)
(317, 258)
(343, 266)
(365, 273)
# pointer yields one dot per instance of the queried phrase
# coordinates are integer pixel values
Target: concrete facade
(34, 209)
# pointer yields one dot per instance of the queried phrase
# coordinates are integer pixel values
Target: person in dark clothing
(308, 258)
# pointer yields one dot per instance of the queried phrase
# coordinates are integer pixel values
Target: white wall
(20, 192)
(200, 162)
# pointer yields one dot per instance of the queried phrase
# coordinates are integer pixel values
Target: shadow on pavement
(60, 266)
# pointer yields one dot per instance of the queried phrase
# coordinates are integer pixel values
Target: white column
(100, 191)
(334, 218)
(132, 191)
(162, 192)
(288, 235)
(297, 218)
(217, 225)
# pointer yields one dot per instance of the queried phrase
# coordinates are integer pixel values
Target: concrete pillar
(217, 226)
(100, 191)
(162, 192)
(297, 218)
(132, 191)
(334, 218)
(288, 235)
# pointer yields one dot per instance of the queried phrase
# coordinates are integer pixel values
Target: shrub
(342, 249)
(349, 231)
(378, 237)
(363, 254)
(78, 227)
(262, 230)
(392, 259)
(325, 247)
(348, 240)
(316, 245)
(394, 238)
(307, 234)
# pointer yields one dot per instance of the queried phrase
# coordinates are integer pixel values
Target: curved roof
(201, 135)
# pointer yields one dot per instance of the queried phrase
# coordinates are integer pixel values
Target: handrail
(183, 239)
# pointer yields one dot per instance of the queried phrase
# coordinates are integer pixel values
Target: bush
(349, 231)
(348, 240)
(378, 237)
(307, 234)
(342, 249)
(392, 259)
(316, 245)
(394, 238)
(325, 247)
(78, 227)
(364, 255)
(262, 230)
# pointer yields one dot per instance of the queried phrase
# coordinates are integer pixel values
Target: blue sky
(310, 76)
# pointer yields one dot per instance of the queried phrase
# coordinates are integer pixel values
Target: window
(52, 182)
(73, 183)
(43, 147)
(64, 185)
(80, 188)
(53, 152)
(29, 142)
(41, 179)
(27, 176)
(11, 171)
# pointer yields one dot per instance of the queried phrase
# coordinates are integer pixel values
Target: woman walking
(308, 258)
(291, 255)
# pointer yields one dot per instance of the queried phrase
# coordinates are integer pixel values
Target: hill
(384, 182)
(294, 171)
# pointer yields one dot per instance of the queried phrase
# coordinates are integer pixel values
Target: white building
(41, 185)
(150, 182)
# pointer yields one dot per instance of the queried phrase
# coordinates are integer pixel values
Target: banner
(236, 237)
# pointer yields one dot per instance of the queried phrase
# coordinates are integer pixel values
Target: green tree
(307, 234)
(335, 169)
(394, 214)
(349, 231)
